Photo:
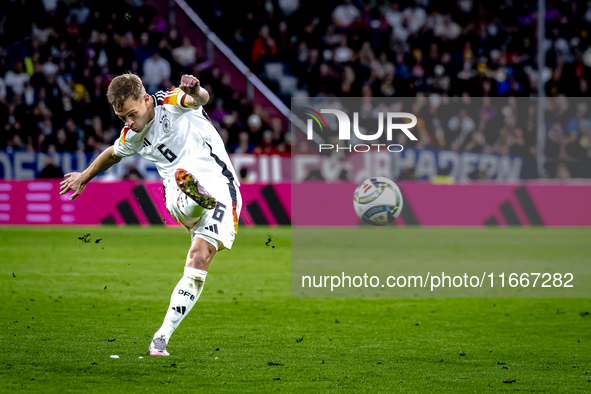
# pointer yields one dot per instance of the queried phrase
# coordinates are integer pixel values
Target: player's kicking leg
(191, 205)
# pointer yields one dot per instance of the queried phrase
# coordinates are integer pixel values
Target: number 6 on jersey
(168, 154)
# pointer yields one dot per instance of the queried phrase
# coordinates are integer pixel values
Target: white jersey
(180, 136)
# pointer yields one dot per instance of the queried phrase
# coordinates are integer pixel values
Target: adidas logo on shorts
(213, 228)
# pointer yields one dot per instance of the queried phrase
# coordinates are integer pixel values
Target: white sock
(185, 295)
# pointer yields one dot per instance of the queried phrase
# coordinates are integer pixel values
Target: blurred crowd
(57, 59)
(408, 48)
(399, 48)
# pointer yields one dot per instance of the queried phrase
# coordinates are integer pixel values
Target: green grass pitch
(67, 305)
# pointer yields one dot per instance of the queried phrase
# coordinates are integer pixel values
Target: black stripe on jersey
(233, 193)
(207, 117)
(225, 172)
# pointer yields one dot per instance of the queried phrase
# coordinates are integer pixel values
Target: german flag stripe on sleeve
(124, 134)
(185, 104)
(171, 97)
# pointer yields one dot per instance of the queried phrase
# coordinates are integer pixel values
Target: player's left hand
(190, 85)
(74, 182)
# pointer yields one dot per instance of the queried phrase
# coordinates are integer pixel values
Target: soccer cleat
(190, 186)
(158, 347)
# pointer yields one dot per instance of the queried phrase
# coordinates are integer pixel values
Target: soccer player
(172, 130)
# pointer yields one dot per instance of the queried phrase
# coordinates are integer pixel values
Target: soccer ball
(377, 201)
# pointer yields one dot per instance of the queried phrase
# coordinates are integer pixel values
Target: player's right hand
(190, 85)
(73, 182)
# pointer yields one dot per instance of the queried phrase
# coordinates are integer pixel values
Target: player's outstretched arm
(192, 87)
(77, 181)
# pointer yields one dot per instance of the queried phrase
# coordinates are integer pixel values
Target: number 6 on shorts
(218, 213)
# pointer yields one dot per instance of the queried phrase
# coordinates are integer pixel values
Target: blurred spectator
(286, 147)
(156, 73)
(554, 143)
(255, 128)
(267, 147)
(144, 50)
(461, 125)
(264, 48)
(51, 170)
(174, 39)
(15, 79)
(49, 67)
(45, 126)
(219, 112)
(244, 175)
(2, 90)
(243, 145)
(344, 14)
(186, 54)
(225, 138)
(580, 122)
(562, 171)
(16, 143)
(132, 173)
(75, 133)
(278, 133)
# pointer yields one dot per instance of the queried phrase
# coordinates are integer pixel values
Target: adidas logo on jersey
(213, 228)
(146, 143)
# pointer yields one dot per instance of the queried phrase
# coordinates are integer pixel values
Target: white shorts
(217, 226)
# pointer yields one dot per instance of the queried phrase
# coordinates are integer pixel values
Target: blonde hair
(125, 86)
